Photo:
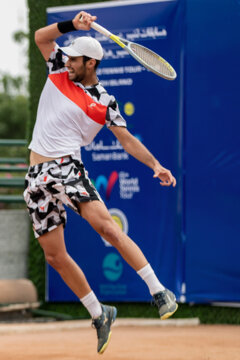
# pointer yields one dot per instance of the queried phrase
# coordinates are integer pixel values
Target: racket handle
(99, 28)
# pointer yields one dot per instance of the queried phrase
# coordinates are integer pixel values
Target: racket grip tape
(98, 28)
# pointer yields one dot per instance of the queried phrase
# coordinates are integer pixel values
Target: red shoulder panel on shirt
(96, 111)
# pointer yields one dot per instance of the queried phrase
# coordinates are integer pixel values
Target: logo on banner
(120, 218)
(128, 186)
(100, 151)
(129, 108)
(112, 267)
(107, 185)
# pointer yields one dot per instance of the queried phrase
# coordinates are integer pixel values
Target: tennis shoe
(166, 303)
(103, 326)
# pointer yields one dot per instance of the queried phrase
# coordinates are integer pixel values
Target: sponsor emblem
(112, 267)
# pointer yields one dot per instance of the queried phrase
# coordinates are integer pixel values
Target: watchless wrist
(66, 26)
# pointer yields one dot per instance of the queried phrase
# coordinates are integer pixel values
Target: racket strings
(152, 60)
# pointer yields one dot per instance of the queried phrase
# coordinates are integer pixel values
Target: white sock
(148, 275)
(92, 304)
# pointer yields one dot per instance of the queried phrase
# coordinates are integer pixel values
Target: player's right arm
(135, 148)
(45, 37)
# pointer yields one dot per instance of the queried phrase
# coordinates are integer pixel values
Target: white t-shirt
(70, 115)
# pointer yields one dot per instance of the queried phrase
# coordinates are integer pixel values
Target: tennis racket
(143, 55)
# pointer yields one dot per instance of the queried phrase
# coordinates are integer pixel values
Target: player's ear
(91, 63)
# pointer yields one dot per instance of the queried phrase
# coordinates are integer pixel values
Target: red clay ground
(131, 343)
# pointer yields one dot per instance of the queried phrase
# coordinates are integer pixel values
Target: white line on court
(80, 324)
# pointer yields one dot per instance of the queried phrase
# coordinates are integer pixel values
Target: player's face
(76, 68)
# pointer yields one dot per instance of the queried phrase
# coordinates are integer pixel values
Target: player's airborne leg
(103, 223)
(103, 316)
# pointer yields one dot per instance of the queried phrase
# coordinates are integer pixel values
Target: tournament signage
(144, 210)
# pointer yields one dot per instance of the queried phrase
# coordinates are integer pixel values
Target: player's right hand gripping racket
(143, 55)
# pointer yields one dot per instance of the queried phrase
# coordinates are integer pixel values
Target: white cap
(84, 46)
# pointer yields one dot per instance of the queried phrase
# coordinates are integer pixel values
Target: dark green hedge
(207, 314)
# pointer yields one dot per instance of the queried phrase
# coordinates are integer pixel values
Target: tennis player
(73, 108)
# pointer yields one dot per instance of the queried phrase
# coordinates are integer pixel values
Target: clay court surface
(203, 342)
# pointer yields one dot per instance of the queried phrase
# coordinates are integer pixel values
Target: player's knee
(57, 261)
(110, 233)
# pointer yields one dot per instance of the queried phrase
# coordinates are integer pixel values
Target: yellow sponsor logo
(129, 109)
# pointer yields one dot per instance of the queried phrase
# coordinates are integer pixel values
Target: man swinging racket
(73, 108)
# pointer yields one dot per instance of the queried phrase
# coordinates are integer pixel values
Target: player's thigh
(53, 242)
(97, 215)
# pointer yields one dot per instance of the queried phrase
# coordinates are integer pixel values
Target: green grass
(206, 313)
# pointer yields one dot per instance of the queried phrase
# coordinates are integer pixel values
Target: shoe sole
(167, 315)
(101, 351)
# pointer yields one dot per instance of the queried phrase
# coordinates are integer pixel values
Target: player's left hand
(165, 175)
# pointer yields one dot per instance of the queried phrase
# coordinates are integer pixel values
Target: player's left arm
(135, 148)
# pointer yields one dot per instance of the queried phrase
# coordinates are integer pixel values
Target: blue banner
(148, 213)
(189, 234)
(212, 152)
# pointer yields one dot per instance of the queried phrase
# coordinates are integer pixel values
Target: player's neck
(90, 80)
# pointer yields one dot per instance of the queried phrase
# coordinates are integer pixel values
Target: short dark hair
(86, 58)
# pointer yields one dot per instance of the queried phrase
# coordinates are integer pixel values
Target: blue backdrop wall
(189, 234)
(212, 150)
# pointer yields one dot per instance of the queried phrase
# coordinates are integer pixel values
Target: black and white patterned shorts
(51, 184)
